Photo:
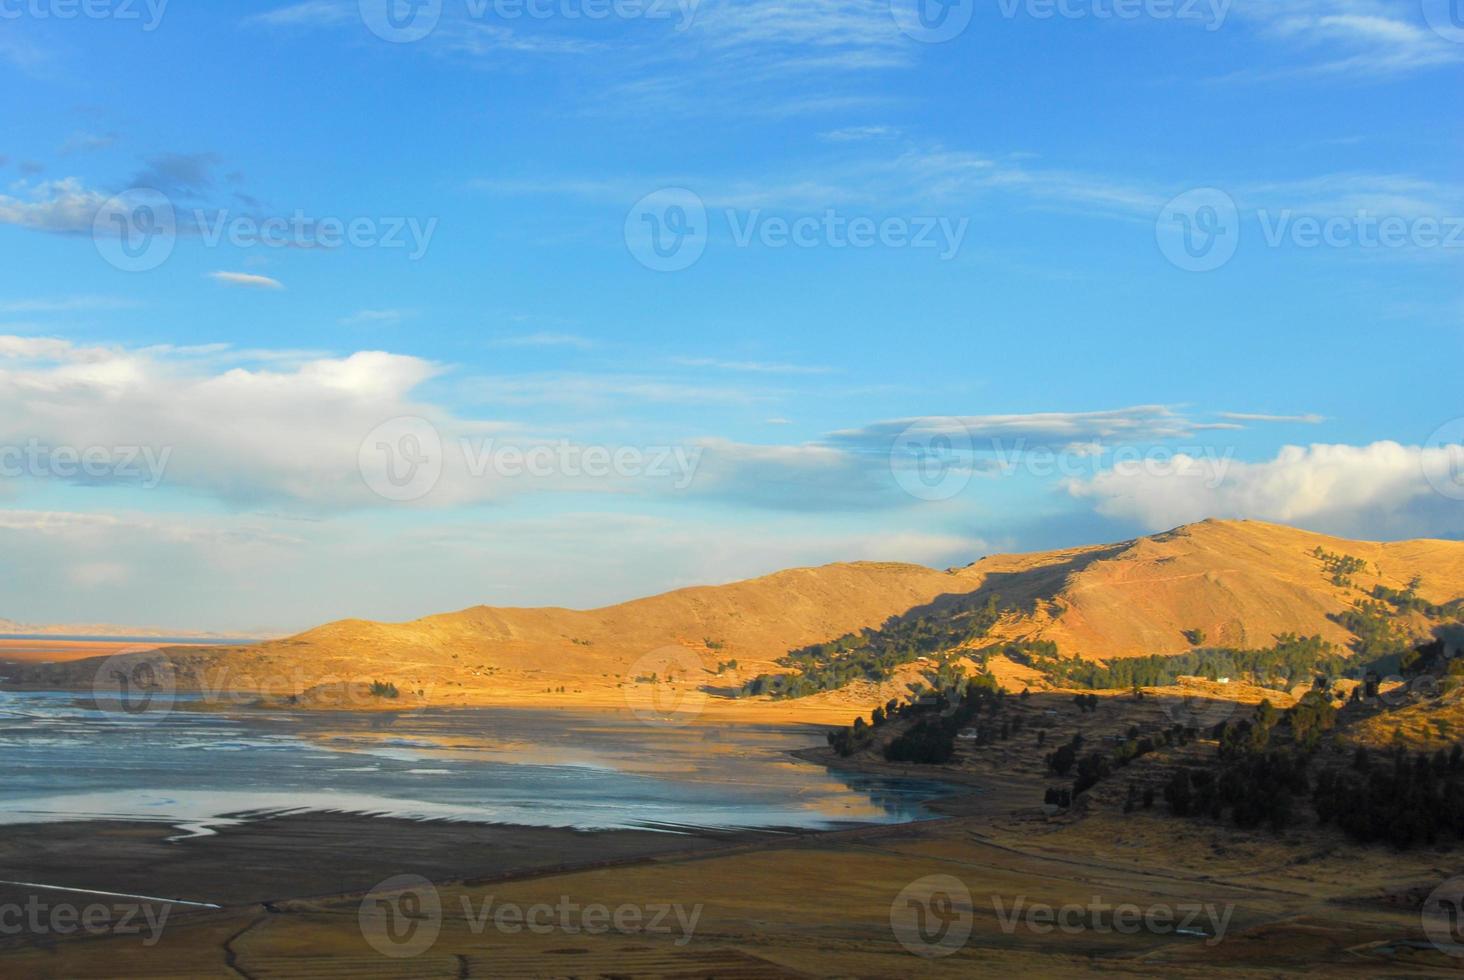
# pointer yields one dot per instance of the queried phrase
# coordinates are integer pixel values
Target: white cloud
(59, 206)
(233, 431)
(248, 280)
(1374, 491)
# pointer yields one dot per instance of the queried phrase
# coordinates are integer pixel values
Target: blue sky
(913, 300)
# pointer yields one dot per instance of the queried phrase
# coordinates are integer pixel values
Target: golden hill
(1240, 582)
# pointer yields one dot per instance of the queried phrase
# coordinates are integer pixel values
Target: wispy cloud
(942, 181)
(248, 280)
(1353, 40)
(179, 175)
(457, 35)
(69, 304)
(1307, 419)
(859, 134)
(88, 142)
(311, 13)
(545, 339)
(592, 391)
(375, 317)
(751, 367)
(1139, 423)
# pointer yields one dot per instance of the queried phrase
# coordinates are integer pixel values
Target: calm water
(197, 770)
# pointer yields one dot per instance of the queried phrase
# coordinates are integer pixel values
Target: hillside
(1240, 583)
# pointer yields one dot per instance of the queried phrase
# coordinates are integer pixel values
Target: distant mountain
(106, 630)
(1223, 583)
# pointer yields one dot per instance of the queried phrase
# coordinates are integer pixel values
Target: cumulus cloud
(1375, 491)
(234, 430)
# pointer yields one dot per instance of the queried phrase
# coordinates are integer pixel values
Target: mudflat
(301, 893)
(48, 651)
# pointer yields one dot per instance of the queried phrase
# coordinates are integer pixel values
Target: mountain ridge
(1237, 583)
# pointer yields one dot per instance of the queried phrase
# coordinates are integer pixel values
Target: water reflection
(61, 759)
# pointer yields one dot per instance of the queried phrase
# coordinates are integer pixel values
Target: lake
(198, 770)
